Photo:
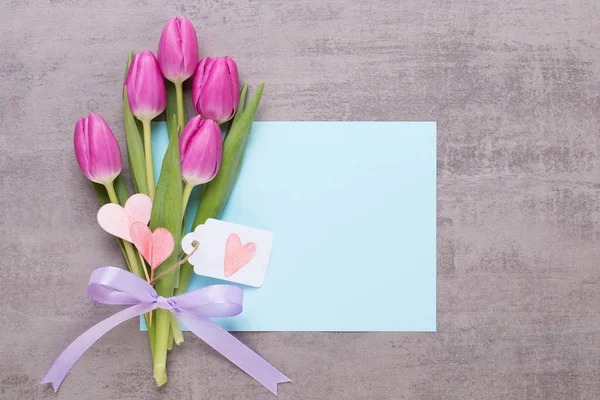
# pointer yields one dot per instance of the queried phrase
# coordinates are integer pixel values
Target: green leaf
(121, 189)
(171, 109)
(171, 112)
(129, 57)
(136, 189)
(135, 145)
(216, 192)
(241, 104)
(172, 124)
(166, 208)
(138, 123)
(240, 109)
(135, 148)
(101, 193)
(166, 213)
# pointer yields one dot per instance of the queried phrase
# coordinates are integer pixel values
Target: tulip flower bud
(145, 87)
(201, 149)
(97, 150)
(216, 90)
(178, 50)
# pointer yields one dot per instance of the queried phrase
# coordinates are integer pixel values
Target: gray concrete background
(514, 86)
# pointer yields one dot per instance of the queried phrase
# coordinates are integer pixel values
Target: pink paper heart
(236, 255)
(117, 220)
(155, 246)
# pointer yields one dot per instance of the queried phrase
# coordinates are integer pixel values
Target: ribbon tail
(65, 361)
(235, 351)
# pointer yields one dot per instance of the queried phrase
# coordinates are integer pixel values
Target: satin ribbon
(110, 285)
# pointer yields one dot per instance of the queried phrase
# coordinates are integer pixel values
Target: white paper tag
(230, 252)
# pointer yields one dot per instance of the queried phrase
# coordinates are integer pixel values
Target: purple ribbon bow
(110, 285)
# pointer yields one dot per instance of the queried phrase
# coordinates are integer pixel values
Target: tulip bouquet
(196, 155)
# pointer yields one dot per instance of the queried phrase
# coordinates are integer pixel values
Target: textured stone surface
(514, 86)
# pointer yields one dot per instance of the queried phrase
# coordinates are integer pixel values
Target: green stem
(135, 266)
(148, 156)
(175, 328)
(170, 339)
(131, 256)
(185, 274)
(187, 191)
(179, 96)
(112, 195)
(162, 327)
(176, 331)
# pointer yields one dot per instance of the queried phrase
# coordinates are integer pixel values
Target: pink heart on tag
(236, 255)
(117, 220)
(155, 246)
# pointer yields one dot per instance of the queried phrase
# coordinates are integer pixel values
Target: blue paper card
(353, 209)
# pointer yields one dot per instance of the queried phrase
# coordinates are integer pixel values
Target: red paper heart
(155, 246)
(236, 255)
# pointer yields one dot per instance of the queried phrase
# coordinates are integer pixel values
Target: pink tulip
(201, 148)
(216, 90)
(145, 87)
(178, 50)
(97, 150)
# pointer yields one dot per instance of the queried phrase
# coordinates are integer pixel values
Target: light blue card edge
(160, 141)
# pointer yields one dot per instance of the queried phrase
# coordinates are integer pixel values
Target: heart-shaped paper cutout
(117, 220)
(155, 246)
(236, 255)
